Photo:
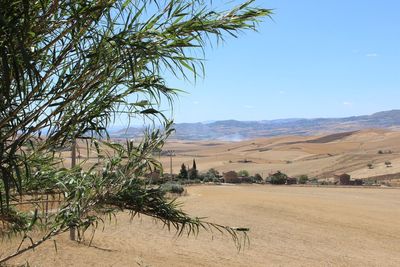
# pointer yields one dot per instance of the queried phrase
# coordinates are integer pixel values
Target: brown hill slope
(319, 156)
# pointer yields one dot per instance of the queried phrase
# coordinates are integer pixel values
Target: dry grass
(290, 226)
(295, 155)
(295, 226)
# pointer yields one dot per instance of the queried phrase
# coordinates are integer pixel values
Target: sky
(331, 58)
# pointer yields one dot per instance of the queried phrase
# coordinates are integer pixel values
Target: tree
(303, 179)
(278, 178)
(370, 166)
(243, 173)
(193, 172)
(388, 164)
(211, 175)
(67, 70)
(183, 173)
(257, 178)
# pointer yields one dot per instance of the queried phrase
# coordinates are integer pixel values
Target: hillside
(232, 130)
(319, 156)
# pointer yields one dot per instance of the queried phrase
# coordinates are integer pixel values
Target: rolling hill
(319, 156)
(233, 130)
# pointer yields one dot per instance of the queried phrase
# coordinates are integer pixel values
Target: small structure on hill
(342, 179)
(291, 180)
(245, 179)
(231, 177)
(345, 179)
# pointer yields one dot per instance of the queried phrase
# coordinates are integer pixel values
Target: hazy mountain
(240, 130)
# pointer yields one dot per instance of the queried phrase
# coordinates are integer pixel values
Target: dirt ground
(290, 226)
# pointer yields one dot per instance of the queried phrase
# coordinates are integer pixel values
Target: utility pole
(73, 154)
(170, 153)
(170, 165)
(73, 164)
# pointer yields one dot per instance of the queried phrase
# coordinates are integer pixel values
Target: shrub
(173, 188)
(243, 173)
(201, 176)
(212, 172)
(207, 179)
(195, 181)
(303, 179)
(210, 175)
(216, 181)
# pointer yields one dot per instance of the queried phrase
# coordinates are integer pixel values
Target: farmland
(289, 225)
(317, 156)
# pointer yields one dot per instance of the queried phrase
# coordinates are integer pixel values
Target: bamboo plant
(68, 69)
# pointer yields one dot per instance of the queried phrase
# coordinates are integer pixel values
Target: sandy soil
(290, 226)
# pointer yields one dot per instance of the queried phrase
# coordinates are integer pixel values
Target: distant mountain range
(232, 130)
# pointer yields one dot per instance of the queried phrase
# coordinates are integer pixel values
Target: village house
(345, 179)
(231, 177)
(291, 180)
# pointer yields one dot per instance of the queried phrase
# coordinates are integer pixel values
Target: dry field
(290, 226)
(316, 156)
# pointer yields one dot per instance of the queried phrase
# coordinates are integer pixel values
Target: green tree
(183, 173)
(193, 172)
(303, 179)
(212, 173)
(243, 173)
(278, 178)
(257, 178)
(67, 70)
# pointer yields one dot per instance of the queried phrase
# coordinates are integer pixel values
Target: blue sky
(331, 58)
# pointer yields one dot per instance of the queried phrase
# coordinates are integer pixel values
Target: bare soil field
(317, 156)
(289, 226)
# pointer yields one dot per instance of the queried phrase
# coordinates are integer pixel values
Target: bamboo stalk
(73, 164)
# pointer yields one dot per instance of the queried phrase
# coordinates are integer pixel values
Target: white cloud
(372, 55)
(347, 103)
